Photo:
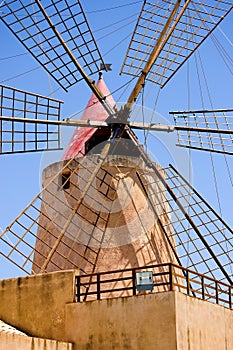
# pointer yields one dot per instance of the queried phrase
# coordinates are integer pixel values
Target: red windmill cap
(93, 111)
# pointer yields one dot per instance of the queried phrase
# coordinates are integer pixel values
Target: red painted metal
(93, 111)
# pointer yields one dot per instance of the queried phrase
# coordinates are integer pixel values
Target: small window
(65, 180)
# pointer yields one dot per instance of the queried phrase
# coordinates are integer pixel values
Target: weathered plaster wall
(202, 325)
(20, 342)
(163, 321)
(36, 304)
(142, 322)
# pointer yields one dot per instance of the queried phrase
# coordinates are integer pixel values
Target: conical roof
(93, 111)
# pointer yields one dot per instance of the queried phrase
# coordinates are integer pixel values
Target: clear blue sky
(20, 174)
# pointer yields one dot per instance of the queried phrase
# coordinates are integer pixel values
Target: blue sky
(20, 174)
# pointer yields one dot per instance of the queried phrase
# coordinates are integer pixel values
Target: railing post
(230, 300)
(134, 281)
(202, 288)
(187, 282)
(78, 297)
(216, 289)
(171, 276)
(98, 286)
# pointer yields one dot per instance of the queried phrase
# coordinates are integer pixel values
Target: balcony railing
(166, 277)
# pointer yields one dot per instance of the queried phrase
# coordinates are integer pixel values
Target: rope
(19, 75)
(114, 8)
(211, 157)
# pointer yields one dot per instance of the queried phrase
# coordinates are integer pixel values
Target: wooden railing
(166, 277)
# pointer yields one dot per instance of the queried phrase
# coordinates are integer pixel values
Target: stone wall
(36, 304)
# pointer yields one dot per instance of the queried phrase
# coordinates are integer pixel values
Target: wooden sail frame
(19, 129)
(208, 130)
(31, 23)
(172, 31)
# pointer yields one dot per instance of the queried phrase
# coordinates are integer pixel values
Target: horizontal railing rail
(166, 277)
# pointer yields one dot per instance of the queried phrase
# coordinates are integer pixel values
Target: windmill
(165, 36)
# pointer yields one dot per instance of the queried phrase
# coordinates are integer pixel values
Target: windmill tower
(106, 207)
(100, 220)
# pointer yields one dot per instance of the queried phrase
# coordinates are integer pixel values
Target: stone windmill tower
(107, 213)
(101, 220)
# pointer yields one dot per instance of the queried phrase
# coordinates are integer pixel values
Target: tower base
(43, 306)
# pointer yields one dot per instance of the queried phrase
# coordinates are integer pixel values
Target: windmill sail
(20, 112)
(174, 35)
(57, 34)
(205, 130)
(204, 242)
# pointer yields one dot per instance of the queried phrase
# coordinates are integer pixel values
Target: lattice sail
(17, 134)
(204, 242)
(18, 241)
(193, 22)
(53, 36)
(205, 130)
